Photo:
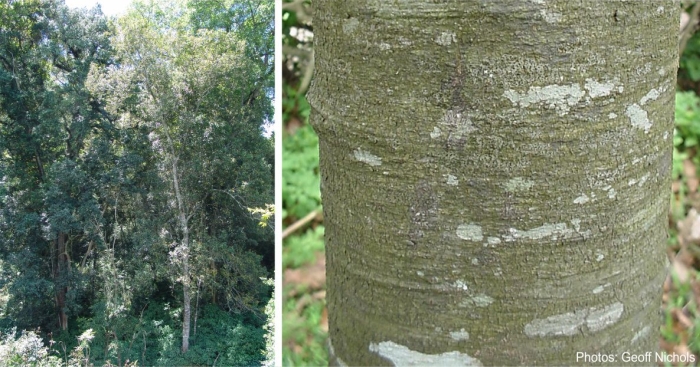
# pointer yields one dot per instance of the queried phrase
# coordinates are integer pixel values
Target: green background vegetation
(305, 321)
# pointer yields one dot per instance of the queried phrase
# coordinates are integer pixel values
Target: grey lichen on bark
(495, 177)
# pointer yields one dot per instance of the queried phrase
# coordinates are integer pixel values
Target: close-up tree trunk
(495, 177)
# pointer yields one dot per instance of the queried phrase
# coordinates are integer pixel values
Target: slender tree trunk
(185, 245)
(495, 177)
(61, 269)
(186, 313)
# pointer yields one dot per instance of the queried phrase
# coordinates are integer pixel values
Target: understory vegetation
(136, 184)
(305, 318)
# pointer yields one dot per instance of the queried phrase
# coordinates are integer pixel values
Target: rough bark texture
(495, 177)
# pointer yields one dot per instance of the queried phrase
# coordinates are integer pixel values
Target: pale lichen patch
(459, 335)
(452, 180)
(570, 323)
(400, 355)
(470, 232)
(638, 117)
(435, 133)
(559, 97)
(367, 157)
(611, 193)
(582, 199)
(518, 184)
(446, 38)
(564, 324)
(643, 180)
(651, 96)
(641, 333)
(482, 300)
(601, 288)
(577, 224)
(612, 115)
(599, 319)
(596, 89)
(550, 17)
(599, 257)
(543, 231)
(459, 124)
(493, 241)
(460, 284)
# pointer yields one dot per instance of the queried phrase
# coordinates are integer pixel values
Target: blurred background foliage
(305, 322)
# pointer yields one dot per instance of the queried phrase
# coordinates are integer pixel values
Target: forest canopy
(136, 183)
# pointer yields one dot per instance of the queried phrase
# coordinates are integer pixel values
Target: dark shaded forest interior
(136, 183)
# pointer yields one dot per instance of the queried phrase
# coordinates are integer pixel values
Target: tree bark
(60, 274)
(185, 246)
(495, 177)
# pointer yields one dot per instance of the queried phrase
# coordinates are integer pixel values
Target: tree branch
(688, 25)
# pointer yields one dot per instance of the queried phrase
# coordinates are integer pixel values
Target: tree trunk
(185, 263)
(186, 313)
(495, 177)
(185, 246)
(60, 274)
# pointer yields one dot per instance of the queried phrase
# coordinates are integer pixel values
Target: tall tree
(495, 177)
(194, 87)
(49, 117)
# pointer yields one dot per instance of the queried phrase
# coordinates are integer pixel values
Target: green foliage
(685, 138)
(302, 249)
(303, 331)
(687, 119)
(690, 59)
(220, 337)
(304, 336)
(153, 338)
(28, 350)
(681, 295)
(300, 176)
(270, 329)
(294, 104)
